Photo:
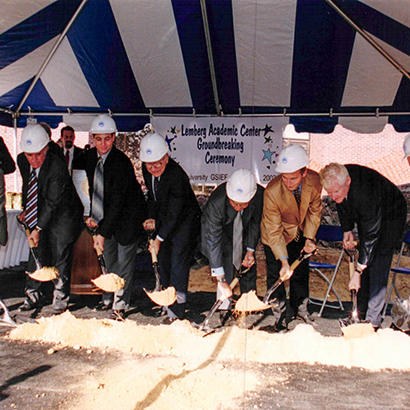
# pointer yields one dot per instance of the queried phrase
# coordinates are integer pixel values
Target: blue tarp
(300, 58)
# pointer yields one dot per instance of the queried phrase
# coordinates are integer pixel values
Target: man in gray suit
(241, 197)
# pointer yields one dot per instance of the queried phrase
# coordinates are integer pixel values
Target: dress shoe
(27, 305)
(103, 307)
(55, 312)
(304, 314)
(118, 315)
(169, 320)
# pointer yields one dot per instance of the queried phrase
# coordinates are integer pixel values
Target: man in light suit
(240, 194)
(59, 215)
(119, 225)
(174, 216)
(291, 217)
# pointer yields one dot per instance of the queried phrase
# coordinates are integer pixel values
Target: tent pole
(370, 40)
(51, 53)
(210, 57)
(15, 152)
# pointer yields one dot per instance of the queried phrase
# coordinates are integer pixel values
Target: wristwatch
(221, 279)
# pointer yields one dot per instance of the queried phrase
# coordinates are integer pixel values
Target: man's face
(293, 179)
(238, 206)
(157, 168)
(103, 142)
(36, 160)
(338, 192)
(68, 138)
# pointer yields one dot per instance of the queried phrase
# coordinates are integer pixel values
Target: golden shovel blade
(110, 282)
(45, 274)
(249, 302)
(165, 297)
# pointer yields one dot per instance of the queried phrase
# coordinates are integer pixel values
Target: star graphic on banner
(173, 130)
(169, 140)
(267, 155)
(267, 129)
(268, 140)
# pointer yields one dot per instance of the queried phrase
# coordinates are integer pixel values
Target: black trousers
(299, 282)
(53, 251)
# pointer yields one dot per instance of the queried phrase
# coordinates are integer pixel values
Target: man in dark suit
(56, 220)
(240, 195)
(377, 207)
(118, 226)
(174, 215)
(69, 151)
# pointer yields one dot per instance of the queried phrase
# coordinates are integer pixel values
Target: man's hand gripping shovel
(303, 255)
(42, 274)
(204, 326)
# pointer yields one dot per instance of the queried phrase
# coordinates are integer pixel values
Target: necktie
(156, 182)
(237, 241)
(31, 206)
(67, 158)
(97, 212)
(297, 197)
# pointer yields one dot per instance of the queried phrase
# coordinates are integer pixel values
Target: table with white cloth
(17, 249)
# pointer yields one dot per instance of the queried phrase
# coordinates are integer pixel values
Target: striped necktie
(32, 197)
(97, 205)
(299, 232)
(237, 241)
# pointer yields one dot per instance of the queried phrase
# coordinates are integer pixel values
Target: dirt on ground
(82, 361)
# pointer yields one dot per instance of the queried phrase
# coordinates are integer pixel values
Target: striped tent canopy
(317, 62)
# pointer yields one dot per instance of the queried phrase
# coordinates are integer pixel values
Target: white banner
(211, 149)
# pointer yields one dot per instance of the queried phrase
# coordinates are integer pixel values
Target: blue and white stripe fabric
(271, 56)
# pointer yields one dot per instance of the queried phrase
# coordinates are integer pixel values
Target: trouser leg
(120, 259)
(378, 277)
(62, 256)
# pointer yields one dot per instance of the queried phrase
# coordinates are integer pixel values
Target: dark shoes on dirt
(304, 314)
(28, 305)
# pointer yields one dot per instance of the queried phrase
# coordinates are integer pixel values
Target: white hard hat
(292, 158)
(153, 147)
(241, 186)
(406, 146)
(103, 124)
(33, 139)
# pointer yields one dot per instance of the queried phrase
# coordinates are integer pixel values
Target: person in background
(53, 146)
(118, 209)
(366, 199)
(173, 215)
(7, 166)
(234, 206)
(52, 211)
(406, 148)
(68, 150)
(291, 217)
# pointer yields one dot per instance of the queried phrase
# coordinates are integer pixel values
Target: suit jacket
(217, 225)
(124, 202)
(59, 208)
(77, 152)
(176, 209)
(378, 208)
(281, 217)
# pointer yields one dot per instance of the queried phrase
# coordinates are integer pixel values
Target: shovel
(6, 319)
(42, 274)
(160, 297)
(108, 282)
(295, 264)
(204, 325)
(354, 317)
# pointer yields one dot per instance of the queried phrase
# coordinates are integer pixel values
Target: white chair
(328, 233)
(397, 270)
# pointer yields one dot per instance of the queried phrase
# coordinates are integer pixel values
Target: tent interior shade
(319, 62)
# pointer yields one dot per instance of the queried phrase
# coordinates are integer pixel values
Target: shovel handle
(154, 256)
(30, 241)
